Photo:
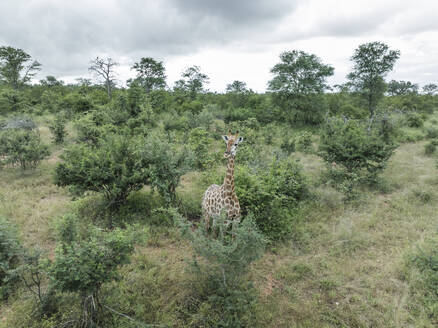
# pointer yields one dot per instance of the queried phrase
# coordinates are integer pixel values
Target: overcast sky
(229, 39)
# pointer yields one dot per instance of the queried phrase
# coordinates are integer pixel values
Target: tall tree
(237, 87)
(150, 73)
(300, 78)
(104, 70)
(430, 89)
(192, 81)
(16, 66)
(372, 61)
(398, 88)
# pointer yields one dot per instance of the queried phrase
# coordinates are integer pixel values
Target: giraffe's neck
(229, 177)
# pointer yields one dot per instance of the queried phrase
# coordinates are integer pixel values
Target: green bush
(76, 103)
(22, 147)
(200, 144)
(89, 131)
(115, 168)
(429, 148)
(288, 144)
(167, 164)
(11, 101)
(9, 257)
(224, 297)
(303, 141)
(353, 153)
(57, 127)
(432, 132)
(83, 263)
(414, 120)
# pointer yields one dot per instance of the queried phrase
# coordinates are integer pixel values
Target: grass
(347, 269)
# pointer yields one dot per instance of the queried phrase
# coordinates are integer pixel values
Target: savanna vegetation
(101, 189)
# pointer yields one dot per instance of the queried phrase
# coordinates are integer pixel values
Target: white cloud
(229, 39)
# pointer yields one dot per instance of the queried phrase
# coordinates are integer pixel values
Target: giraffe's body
(218, 199)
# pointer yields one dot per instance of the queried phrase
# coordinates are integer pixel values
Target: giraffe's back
(211, 202)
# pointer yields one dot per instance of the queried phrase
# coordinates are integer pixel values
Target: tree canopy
(372, 61)
(150, 73)
(16, 66)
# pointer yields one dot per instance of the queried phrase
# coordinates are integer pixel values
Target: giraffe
(223, 198)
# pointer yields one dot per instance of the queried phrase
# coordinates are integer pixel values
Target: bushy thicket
(120, 164)
(22, 147)
(354, 153)
(115, 168)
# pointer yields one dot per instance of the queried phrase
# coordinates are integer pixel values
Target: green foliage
(76, 103)
(414, 120)
(9, 255)
(432, 132)
(372, 61)
(22, 147)
(83, 265)
(92, 126)
(397, 88)
(353, 153)
(115, 168)
(50, 101)
(303, 141)
(225, 299)
(288, 144)
(16, 66)
(192, 82)
(299, 81)
(430, 148)
(150, 74)
(425, 260)
(167, 164)
(200, 144)
(271, 195)
(11, 101)
(57, 127)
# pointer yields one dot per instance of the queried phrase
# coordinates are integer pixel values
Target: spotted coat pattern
(218, 199)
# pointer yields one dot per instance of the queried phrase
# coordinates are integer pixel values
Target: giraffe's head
(232, 142)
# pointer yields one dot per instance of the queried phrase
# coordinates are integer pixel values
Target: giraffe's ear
(225, 138)
(240, 139)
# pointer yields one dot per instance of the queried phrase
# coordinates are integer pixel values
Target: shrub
(414, 120)
(11, 101)
(432, 132)
(115, 168)
(89, 131)
(225, 298)
(352, 152)
(429, 148)
(200, 143)
(9, 255)
(76, 103)
(288, 145)
(272, 197)
(83, 264)
(304, 141)
(22, 147)
(57, 127)
(167, 164)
